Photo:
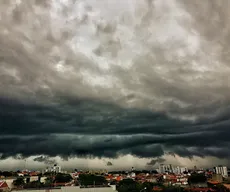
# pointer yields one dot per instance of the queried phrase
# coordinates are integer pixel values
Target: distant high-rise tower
(222, 170)
(162, 168)
(57, 169)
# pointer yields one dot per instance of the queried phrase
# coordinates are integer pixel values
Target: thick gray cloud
(109, 163)
(82, 78)
(45, 159)
(155, 161)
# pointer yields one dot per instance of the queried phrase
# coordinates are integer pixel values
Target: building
(33, 178)
(76, 189)
(171, 169)
(177, 170)
(55, 168)
(4, 186)
(221, 170)
(9, 182)
(43, 179)
(217, 178)
(162, 168)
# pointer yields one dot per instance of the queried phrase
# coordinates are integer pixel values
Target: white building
(162, 168)
(55, 168)
(76, 189)
(171, 169)
(222, 170)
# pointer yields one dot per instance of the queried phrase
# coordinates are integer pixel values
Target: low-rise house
(20, 174)
(151, 179)
(9, 182)
(4, 186)
(94, 189)
(75, 189)
(156, 188)
(43, 179)
(34, 178)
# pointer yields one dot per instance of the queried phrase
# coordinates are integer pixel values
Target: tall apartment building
(55, 168)
(171, 169)
(162, 168)
(222, 170)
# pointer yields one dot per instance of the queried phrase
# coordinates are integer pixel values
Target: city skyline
(128, 82)
(124, 163)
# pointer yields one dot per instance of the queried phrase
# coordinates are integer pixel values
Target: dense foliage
(197, 178)
(126, 185)
(90, 179)
(19, 182)
(63, 178)
(129, 185)
(8, 174)
(50, 180)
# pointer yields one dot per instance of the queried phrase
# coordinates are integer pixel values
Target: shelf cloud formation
(109, 78)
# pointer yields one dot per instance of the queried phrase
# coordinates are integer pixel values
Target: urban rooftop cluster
(165, 178)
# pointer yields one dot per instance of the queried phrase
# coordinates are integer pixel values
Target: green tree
(48, 182)
(160, 180)
(48, 174)
(7, 174)
(90, 179)
(128, 185)
(19, 182)
(63, 178)
(221, 188)
(33, 184)
(148, 186)
(197, 178)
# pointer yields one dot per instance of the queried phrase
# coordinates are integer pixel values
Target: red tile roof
(157, 188)
(227, 186)
(33, 174)
(3, 185)
(214, 182)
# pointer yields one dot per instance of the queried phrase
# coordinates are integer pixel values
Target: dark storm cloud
(28, 130)
(73, 84)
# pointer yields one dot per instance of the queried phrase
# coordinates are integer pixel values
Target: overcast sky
(112, 79)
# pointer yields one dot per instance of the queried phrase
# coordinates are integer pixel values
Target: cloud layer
(88, 79)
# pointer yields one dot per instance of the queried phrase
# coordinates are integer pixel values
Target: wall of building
(9, 182)
(42, 190)
(217, 177)
(34, 178)
(75, 189)
(222, 170)
(78, 189)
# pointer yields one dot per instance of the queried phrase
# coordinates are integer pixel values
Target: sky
(133, 83)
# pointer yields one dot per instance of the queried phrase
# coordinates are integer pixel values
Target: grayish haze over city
(83, 82)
